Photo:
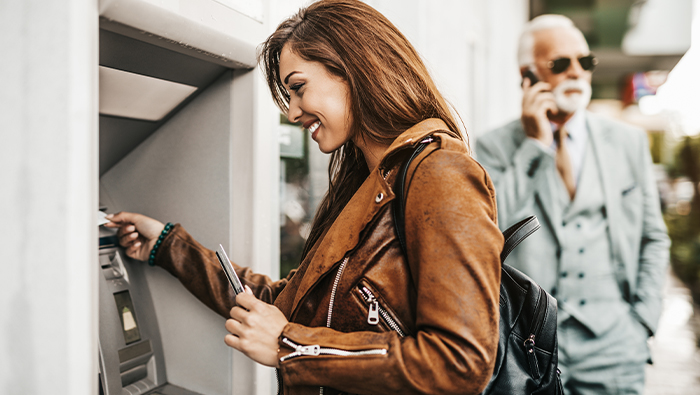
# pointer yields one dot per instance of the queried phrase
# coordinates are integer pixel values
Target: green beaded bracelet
(152, 257)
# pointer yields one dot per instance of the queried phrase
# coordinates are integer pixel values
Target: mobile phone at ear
(529, 74)
(228, 269)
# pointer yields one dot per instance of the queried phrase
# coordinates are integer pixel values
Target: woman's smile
(312, 128)
(316, 98)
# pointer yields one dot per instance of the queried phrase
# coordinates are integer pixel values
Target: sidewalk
(676, 369)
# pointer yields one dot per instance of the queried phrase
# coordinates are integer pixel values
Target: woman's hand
(255, 328)
(137, 233)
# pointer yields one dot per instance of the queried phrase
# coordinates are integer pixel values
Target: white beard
(574, 101)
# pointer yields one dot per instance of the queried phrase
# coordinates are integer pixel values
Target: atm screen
(127, 316)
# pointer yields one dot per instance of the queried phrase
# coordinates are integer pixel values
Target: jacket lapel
(344, 234)
(545, 188)
(607, 158)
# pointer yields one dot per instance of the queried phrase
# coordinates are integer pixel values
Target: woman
(357, 316)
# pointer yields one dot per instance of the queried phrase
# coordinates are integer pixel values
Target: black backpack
(526, 362)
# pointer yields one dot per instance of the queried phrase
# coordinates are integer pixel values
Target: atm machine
(186, 134)
(131, 351)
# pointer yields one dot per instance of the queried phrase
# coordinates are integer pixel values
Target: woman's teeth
(315, 126)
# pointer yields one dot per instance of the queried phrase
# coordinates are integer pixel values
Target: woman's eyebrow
(286, 79)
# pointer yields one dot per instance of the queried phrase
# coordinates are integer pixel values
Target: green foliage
(683, 219)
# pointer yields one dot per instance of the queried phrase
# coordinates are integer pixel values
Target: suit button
(554, 291)
(558, 253)
(581, 275)
(580, 251)
(564, 274)
(563, 223)
(578, 226)
(582, 302)
(379, 197)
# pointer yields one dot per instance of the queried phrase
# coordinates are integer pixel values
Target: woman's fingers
(233, 342)
(238, 313)
(247, 300)
(128, 239)
(233, 325)
(255, 327)
(125, 229)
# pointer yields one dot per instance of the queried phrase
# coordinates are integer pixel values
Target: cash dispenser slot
(133, 361)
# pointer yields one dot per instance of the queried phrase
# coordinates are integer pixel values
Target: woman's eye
(296, 87)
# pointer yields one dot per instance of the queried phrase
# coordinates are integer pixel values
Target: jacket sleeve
(514, 173)
(199, 271)
(453, 247)
(654, 248)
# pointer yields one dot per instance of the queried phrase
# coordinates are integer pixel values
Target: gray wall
(48, 198)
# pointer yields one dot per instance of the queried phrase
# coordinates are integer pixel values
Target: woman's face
(318, 100)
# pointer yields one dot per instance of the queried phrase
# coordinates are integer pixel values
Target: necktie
(563, 162)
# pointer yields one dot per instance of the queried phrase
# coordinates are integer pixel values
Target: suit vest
(587, 289)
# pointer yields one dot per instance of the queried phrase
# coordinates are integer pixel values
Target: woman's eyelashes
(296, 87)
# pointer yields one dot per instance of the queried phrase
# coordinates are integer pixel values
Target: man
(603, 247)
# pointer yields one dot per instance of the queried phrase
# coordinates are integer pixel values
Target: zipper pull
(530, 344)
(309, 350)
(302, 350)
(373, 316)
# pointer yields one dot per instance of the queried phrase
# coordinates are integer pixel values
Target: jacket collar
(370, 198)
(412, 136)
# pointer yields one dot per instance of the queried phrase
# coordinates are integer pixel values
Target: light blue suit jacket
(524, 175)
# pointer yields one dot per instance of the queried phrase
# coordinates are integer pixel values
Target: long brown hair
(390, 88)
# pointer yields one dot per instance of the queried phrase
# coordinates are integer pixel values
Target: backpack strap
(513, 236)
(517, 233)
(399, 206)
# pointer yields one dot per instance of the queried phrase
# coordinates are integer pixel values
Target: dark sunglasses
(560, 65)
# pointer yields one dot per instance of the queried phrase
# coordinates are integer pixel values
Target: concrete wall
(470, 48)
(48, 198)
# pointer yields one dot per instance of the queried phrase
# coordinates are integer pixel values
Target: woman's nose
(294, 113)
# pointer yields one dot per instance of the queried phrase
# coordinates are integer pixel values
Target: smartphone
(529, 74)
(228, 269)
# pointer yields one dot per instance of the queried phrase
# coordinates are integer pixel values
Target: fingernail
(108, 216)
(247, 289)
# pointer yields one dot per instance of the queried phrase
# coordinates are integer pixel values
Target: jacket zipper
(332, 301)
(540, 312)
(316, 350)
(335, 288)
(375, 310)
(333, 291)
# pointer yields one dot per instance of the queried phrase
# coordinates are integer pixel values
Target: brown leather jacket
(362, 318)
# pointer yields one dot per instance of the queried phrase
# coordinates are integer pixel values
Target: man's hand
(255, 328)
(137, 233)
(538, 102)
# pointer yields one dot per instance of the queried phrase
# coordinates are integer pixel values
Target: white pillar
(48, 198)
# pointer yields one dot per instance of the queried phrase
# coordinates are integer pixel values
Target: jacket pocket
(379, 312)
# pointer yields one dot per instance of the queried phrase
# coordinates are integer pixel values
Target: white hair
(526, 44)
